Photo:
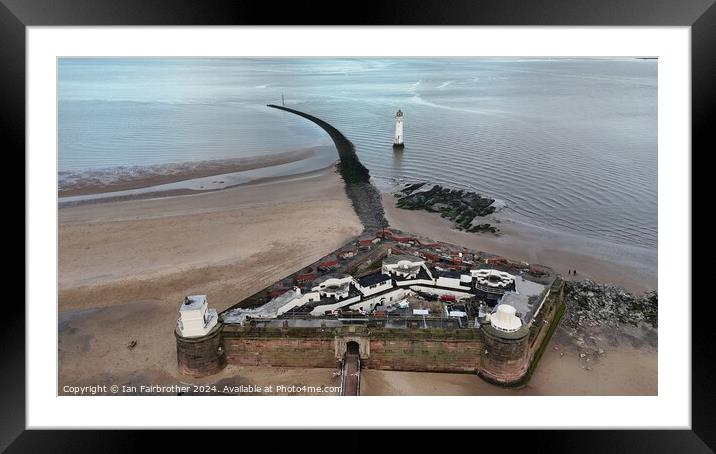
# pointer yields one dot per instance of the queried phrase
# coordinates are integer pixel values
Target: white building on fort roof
(195, 317)
(505, 318)
(333, 286)
(517, 300)
(493, 278)
(403, 266)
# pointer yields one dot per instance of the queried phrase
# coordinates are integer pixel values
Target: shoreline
(109, 197)
(89, 183)
(633, 268)
(624, 266)
(600, 262)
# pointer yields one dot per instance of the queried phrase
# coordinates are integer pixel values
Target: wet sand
(93, 350)
(121, 180)
(623, 369)
(632, 268)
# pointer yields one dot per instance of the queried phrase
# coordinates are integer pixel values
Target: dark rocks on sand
(460, 206)
(591, 304)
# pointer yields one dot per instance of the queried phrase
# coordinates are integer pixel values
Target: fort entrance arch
(352, 348)
(354, 344)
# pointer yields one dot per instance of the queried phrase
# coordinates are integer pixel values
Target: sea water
(567, 144)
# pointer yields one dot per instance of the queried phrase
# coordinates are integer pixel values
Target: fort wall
(504, 359)
(499, 357)
(281, 352)
(425, 355)
(201, 356)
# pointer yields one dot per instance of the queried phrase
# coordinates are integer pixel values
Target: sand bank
(633, 268)
(128, 178)
(221, 176)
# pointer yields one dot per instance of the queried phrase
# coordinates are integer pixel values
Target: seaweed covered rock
(460, 206)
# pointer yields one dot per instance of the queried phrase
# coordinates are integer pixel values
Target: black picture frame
(700, 15)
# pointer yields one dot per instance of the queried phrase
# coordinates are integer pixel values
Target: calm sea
(569, 144)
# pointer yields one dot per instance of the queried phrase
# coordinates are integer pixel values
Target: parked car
(428, 296)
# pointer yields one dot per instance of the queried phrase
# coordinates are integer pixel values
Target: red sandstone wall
(410, 355)
(281, 352)
(199, 357)
(504, 361)
(424, 355)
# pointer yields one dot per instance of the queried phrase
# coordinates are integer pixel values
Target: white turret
(398, 140)
(504, 318)
(196, 318)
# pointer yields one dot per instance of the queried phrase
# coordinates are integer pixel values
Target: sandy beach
(622, 372)
(124, 267)
(627, 367)
(93, 351)
(143, 239)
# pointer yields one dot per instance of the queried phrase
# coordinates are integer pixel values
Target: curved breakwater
(364, 196)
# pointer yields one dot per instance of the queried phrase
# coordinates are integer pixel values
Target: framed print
(422, 216)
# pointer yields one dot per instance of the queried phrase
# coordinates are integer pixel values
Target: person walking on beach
(569, 272)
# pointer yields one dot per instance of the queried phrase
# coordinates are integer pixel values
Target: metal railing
(343, 377)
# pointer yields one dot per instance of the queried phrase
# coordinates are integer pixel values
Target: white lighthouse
(398, 140)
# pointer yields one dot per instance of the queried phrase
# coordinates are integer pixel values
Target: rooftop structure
(493, 278)
(333, 286)
(195, 317)
(404, 266)
(504, 318)
(373, 279)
